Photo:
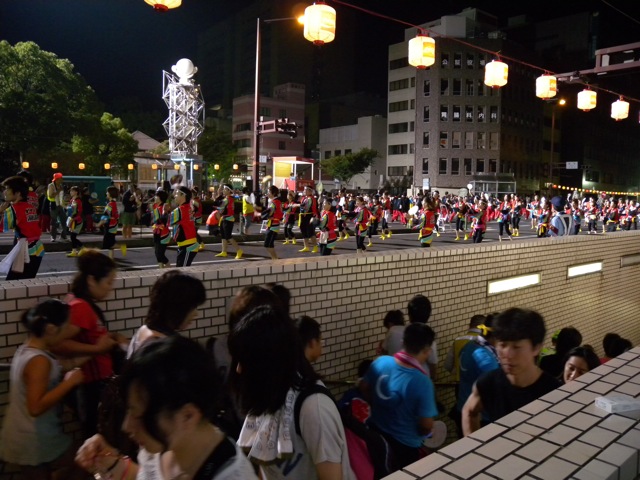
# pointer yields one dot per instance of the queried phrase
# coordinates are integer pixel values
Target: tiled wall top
(559, 436)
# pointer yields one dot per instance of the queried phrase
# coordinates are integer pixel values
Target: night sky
(121, 46)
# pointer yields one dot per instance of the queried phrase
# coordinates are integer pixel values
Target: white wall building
(369, 132)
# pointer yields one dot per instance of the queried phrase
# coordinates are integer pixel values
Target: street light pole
(256, 114)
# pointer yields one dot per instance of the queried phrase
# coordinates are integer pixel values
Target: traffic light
(283, 125)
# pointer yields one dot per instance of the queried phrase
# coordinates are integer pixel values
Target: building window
(337, 152)
(398, 63)
(412, 126)
(444, 113)
(398, 84)
(243, 143)
(398, 106)
(412, 148)
(327, 154)
(467, 166)
(480, 165)
(456, 139)
(493, 141)
(457, 114)
(468, 140)
(471, 61)
(444, 139)
(282, 145)
(425, 114)
(482, 140)
(482, 59)
(493, 114)
(444, 60)
(457, 87)
(399, 171)
(469, 84)
(243, 127)
(398, 149)
(457, 60)
(426, 88)
(265, 111)
(282, 113)
(413, 82)
(480, 88)
(468, 113)
(347, 151)
(455, 166)
(442, 166)
(425, 139)
(481, 113)
(412, 105)
(444, 86)
(425, 166)
(493, 165)
(398, 127)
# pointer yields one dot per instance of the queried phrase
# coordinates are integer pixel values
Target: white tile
(488, 432)
(497, 448)
(617, 423)
(597, 470)
(554, 468)
(530, 429)
(591, 409)
(566, 407)
(581, 421)
(461, 447)
(535, 407)
(629, 388)
(583, 396)
(628, 371)
(572, 387)
(510, 468)
(615, 378)
(625, 458)
(555, 396)
(518, 436)
(601, 387)
(468, 466)
(631, 438)
(513, 419)
(561, 435)
(578, 453)
(537, 451)
(399, 475)
(427, 465)
(589, 377)
(599, 437)
(546, 419)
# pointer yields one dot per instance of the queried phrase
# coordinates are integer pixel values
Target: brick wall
(349, 295)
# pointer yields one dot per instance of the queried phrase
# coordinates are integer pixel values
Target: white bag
(16, 258)
(324, 238)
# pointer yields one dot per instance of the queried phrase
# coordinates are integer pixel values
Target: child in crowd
(32, 435)
(310, 336)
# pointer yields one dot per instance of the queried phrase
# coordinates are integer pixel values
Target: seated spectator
(568, 338)
(393, 318)
(579, 361)
(310, 337)
(519, 334)
(402, 395)
(270, 373)
(355, 392)
(419, 311)
(283, 293)
(477, 357)
(170, 387)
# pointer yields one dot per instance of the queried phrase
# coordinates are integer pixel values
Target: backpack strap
(302, 396)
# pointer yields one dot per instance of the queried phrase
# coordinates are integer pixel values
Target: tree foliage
(217, 148)
(345, 167)
(43, 102)
(109, 142)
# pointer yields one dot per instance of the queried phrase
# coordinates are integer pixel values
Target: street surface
(140, 250)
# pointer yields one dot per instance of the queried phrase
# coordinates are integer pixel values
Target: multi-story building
(369, 132)
(451, 129)
(287, 102)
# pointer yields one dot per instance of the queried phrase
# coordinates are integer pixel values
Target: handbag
(324, 237)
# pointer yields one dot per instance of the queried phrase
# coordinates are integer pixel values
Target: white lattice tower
(186, 113)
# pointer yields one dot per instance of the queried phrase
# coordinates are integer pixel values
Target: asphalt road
(140, 250)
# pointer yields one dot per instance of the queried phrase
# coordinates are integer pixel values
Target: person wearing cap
(561, 222)
(55, 196)
(228, 218)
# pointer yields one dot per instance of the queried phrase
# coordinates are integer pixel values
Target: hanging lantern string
(497, 54)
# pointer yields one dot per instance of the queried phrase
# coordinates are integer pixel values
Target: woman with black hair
(579, 361)
(269, 373)
(184, 229)
(171, 391)
(174, 301)
(87, 332)
(32, 435)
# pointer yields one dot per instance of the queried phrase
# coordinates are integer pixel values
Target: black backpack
(368, 450)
